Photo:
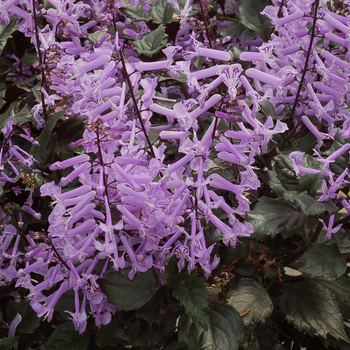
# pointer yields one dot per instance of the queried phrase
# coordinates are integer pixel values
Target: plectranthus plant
(174, 174)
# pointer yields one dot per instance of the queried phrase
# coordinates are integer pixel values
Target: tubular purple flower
(291, 18)
(49, 309)
(126, 177)
(240, 135)
(69, 162)
(238, 156)
(149, 66)
(327, 90)
(215, 54)
(180, 206)
(128, 217)
(251, 56)
(85, 227)
(289, 50)
(14, 323)
(262, 76)
(162, 110)
(338, 152)
(171, 135)
(95, 64)
(173, 167)
(329, 57)
(31, 212)
(336, 39)
(205, 73)
(335, 23)
(213, 100)
(102, 108)
(81, 213)
(329, 229)
(128, 249)
(297, 159)
(75, 173)
(84, 200)
(312, 128)
(223, 184)
(30, 268)
(76, 192)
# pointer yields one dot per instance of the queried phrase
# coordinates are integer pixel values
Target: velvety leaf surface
(8, 343)
(271, 216)
(309, 205)
(162, 12)
(323, 260)
(67, 338)
(30, 321)
(252, 19)
(225, 330)
(195, 297)
(342, 162)
(41, 153)
(250, 294)
(313, 309)
(129, 294)
(135, 12)
(339, 288)
(6, 31)
(152, 42)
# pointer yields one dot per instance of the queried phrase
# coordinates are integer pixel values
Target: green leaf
(41, 153)
(110, 334)
(341, 162)
(152, 42)
(311, 183)
(8, 343)
(19, 110)
(233, 30)
(6, 31)
(96, 36)
(267, 108)
(309, 205)
(70, 130)
(252, 19)
(136, 12)
(172, 275)
(306, 143)
(30, 58)
(195, 297)
(162, 12)
(313, 309)
(30, 321)
(225, 330)
(271, 216)
(129, 294)
(339, 288)
(67, 338)
(250, 294)
(323, 260)
(285, 172)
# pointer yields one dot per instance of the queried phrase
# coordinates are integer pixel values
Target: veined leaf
(323, 260)
(129, 294)
(252, 19)
(195, 297)
(152, 42)
(313, 309)
(225, 330)
(271, 216)
(250, 294)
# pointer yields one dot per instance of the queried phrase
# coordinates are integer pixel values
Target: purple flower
(329, 229)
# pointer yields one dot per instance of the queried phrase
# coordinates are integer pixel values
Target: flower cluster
(126, 198)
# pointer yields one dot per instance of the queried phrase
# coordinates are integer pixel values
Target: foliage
(174, 175)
